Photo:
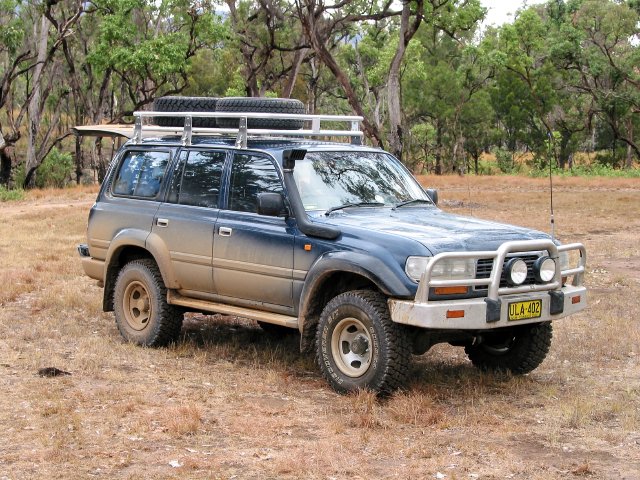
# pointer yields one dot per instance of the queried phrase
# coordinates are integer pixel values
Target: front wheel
(142, 313)
(359, 347)
(519, 351)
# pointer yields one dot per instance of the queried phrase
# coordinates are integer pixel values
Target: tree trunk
(34, 111)
(295, 70)
(563, 157)
(629, 161)
(394, 101)
(5, 162)
(439, 166)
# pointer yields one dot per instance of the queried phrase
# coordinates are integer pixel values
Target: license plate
(525, 310)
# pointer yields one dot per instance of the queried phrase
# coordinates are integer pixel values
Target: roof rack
(140, 130)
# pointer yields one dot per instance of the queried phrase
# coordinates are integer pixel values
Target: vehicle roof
(274, 146)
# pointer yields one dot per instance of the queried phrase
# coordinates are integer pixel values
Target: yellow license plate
(525, 310)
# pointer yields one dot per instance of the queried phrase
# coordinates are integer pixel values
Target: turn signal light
(455, 313)
(575, 299)
(451, 290)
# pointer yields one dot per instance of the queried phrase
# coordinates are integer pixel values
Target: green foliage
(505, 161)
(56, 170)
(594, 170)
(10, 195)
(11, 25)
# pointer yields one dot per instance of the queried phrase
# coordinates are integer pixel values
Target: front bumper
(559, 297)
(435, 314)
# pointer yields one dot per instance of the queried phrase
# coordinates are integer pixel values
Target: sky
(501, 11)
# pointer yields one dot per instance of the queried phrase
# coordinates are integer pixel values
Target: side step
(175, 298)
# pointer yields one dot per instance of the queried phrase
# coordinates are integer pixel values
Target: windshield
(331, 179)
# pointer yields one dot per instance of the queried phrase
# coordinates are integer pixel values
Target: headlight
(516, 270)
(415, 266)
(449, 269)
(545, 269)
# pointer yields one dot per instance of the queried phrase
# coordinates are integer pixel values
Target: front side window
(141, 174)
(251, 175)
(197, 182)
(329, 179)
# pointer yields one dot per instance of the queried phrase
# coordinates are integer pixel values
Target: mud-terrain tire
(185, 104)
(359, 347)
(261, 105)
(518, 351)
(142, 313)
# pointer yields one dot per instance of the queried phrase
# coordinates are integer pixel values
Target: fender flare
(131, 237)
(372, 268)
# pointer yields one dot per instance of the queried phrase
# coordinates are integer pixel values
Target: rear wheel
(359, 347)
(519, 350)
(142, 313)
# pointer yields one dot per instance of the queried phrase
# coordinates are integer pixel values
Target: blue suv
(259, 218)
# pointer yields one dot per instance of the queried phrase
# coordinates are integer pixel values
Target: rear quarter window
(141, 174)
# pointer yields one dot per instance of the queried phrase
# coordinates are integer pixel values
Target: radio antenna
(553, 222)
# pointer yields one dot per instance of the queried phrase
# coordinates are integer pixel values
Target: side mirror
(433, 195)
(271, 204)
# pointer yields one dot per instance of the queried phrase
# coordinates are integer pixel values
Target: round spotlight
(516, 270)
(545, 269)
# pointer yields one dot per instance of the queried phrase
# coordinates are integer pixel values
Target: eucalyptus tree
(145, 47)
(602, 48)
(32, 34)
(268, 38)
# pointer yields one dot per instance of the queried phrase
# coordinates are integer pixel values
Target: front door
(252, 253)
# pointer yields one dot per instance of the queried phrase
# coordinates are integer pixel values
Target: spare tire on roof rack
(185, 104)
(261, 105)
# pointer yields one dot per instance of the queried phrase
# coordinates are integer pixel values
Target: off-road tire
(518, 351)
(388, 353)
(261, 105)
(185, 104)
(142, 313)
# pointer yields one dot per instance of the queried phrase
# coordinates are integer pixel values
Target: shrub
(56, 170)
(504, 158)
(9, 195)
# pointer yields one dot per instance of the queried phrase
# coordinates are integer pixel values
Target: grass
(229, 401)
(10, 195)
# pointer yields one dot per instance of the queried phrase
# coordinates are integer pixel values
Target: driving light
(516, 270)
(545, 269)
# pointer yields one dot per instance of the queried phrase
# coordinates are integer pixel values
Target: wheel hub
(137, 305)
(351, 347)
(360, 345)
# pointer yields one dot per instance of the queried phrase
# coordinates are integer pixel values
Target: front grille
(483, 270)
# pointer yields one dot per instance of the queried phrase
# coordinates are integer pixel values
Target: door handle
(162, 222)
(225, 231)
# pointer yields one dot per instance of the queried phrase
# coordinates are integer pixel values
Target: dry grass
(231, 402)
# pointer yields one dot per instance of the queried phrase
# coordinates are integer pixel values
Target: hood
(436, 230)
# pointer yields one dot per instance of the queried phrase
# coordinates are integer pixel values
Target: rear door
(129, 200)
(185, 222)
(252, 253)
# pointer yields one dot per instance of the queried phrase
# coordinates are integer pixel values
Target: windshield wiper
(413, 200)
(356, 204)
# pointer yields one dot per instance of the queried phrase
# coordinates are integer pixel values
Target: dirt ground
(229, 401)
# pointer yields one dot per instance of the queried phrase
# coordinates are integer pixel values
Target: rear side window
(141, 174)
(250, 176)
(198, 183)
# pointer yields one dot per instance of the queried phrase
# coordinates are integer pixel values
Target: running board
(175, 298)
